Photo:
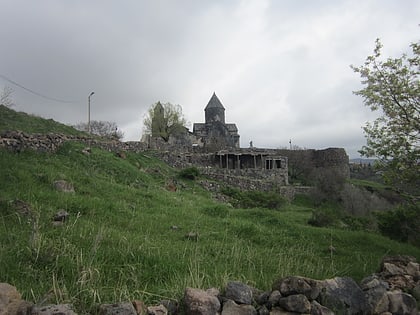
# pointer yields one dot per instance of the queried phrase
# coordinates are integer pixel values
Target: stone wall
(395, 289)
(18, 141)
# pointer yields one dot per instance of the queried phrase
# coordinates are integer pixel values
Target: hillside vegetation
(125, 236)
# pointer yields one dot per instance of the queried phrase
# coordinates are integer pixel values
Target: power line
(36, 93)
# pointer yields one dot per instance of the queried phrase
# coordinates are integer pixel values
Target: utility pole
(89, 110)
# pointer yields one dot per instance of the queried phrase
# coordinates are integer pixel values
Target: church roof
(214, 102)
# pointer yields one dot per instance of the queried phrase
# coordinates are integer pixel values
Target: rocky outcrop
(379, 294)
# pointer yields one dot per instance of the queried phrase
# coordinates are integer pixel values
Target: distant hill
(13, 120)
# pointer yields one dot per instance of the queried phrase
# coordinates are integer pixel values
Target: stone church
(215, 134)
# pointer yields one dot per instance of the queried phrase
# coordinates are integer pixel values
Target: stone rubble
(379, 294)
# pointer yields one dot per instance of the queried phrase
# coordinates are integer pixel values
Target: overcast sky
(280, 67)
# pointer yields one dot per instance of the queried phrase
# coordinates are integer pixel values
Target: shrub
(325, 216)
(401, 224)
(189, 173)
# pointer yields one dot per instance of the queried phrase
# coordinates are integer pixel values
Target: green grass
(118, 244)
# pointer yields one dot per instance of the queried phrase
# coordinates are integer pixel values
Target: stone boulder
(63, 186)
(231, 308)
(297, 303)
(200, 302)
(343, 296)
(297, 285)
(238, 292)
(11, 302)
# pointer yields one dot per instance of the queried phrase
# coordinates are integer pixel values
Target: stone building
(215, 134)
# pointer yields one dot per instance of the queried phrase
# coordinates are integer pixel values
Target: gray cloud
(281, 68)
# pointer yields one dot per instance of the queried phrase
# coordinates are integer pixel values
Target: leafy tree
(6, 97)
(107, 129)
(164, 120)
(392, 88)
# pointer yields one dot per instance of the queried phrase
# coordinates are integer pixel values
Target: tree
(164, 120)
(107, 129)
(392, 88)
(5, 97)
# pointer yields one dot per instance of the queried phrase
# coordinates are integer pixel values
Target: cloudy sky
(280, 67)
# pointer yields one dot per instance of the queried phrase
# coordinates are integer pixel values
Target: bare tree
(6, 97)
(107, 129)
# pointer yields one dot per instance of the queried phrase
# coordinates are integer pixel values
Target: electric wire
(37, 93)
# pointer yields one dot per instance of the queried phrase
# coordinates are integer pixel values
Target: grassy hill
(119, 242)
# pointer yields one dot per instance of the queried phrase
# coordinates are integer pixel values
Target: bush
(189, 173)
(401, 224)
(325, 216)
(254, 199)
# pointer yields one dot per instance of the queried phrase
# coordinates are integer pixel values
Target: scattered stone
(192, 236)
(63, 186)
(238, 292)
(60, 309)
(298, 303)
(125, 308)
(22, 208)
(231, 308)
(61, 216)
(342, 295)
(87, 151)
(157, 310)
(171, 187)
(200, 302)
(174, 227)
(121, 154)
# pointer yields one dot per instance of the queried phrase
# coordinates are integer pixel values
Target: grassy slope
(118, 244)
(12, 120)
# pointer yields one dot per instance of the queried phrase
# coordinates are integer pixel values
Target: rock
(318, 309)
(263, 310)
(298, 303)
(375, 290)
(87, 151)
(401, 303)
(416, 292)
(140, 307)
(192, 236)
(125, 308)
(63, 186)
(157, 310)
(121, 154)
(343, 296)
(231, 308)
(200, 302)
(263, 297)
(61, 215)
(274, 298)
(171, 306)
(23, 208)
(297, 285)
(60, 309)
(413, 269)
(238, 292)
(11, 302)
